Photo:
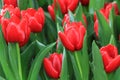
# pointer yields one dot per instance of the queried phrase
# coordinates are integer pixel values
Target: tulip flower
(11, 10)
(36, 19)
(66, 19)
(73, 36)
(10, 2)
(15, 30)
(110, 58)
(53, 65)
(109, 8)
(65, 5)
(84, 2)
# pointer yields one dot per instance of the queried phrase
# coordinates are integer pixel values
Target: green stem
(19, 61)
(78, 63)
(15, 60)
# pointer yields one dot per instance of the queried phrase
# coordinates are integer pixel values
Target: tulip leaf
(117, 26)
(112, 40)
(50, 30)
(7, 14)
(1, 78)
(71, 15)
(75, 67)
(118, 3)
(26, 56)
(95, 5)
(78, 14)
(103, 30)
(37, 62)
(84, 60)
(43, 75)
(80, 62)
(114, 75)
(31, 4)
(97, 64)
(22, 4)
(4, 58)
(15, 59)
(64, 71)
(1, 4)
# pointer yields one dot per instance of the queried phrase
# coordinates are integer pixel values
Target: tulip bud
(53, 65)
(110, 58)
(73, 36)
(36, 19)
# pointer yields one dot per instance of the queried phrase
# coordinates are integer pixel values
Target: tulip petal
(34, 25)
(49, 69)
(51, 11)
(66, 42)
(113, 65)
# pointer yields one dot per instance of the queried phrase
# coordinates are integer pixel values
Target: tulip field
(59, 39)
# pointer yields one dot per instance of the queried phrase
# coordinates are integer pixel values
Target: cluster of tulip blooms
(87, 44)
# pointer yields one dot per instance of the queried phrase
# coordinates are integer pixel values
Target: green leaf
(1, 78)
(43, 74)
(78, 14)
(97, 64)
(26, 56)
(22, 4)
(4, 58)
(31, 4)
(64, 71)
(1, 4)
(15, 60)
(80, 62)
(71, 15)
(95, 5)
(50, 29)
(75, 67)
(103, 30)
(7, 14)
(114, 75)
(118, 3)
(36, 65)
(112, 40)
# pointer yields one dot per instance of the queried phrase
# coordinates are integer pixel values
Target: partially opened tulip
(109, 7)
(36, 19)
(73, 36)
(15, 30)
(65, 5)
(110, 58)
(53, 65)
(13, 11)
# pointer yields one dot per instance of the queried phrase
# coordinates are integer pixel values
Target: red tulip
(15, 30)
(53, 65)
(10, 2)
(11, 10)
(84, 2)
(102, 11)
(65, 5)
(51, 12)
(109, 8)
(36, 19)
(66, 19)
(73, 36)
(110, 58)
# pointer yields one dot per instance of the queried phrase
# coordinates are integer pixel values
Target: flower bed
(59, 39)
